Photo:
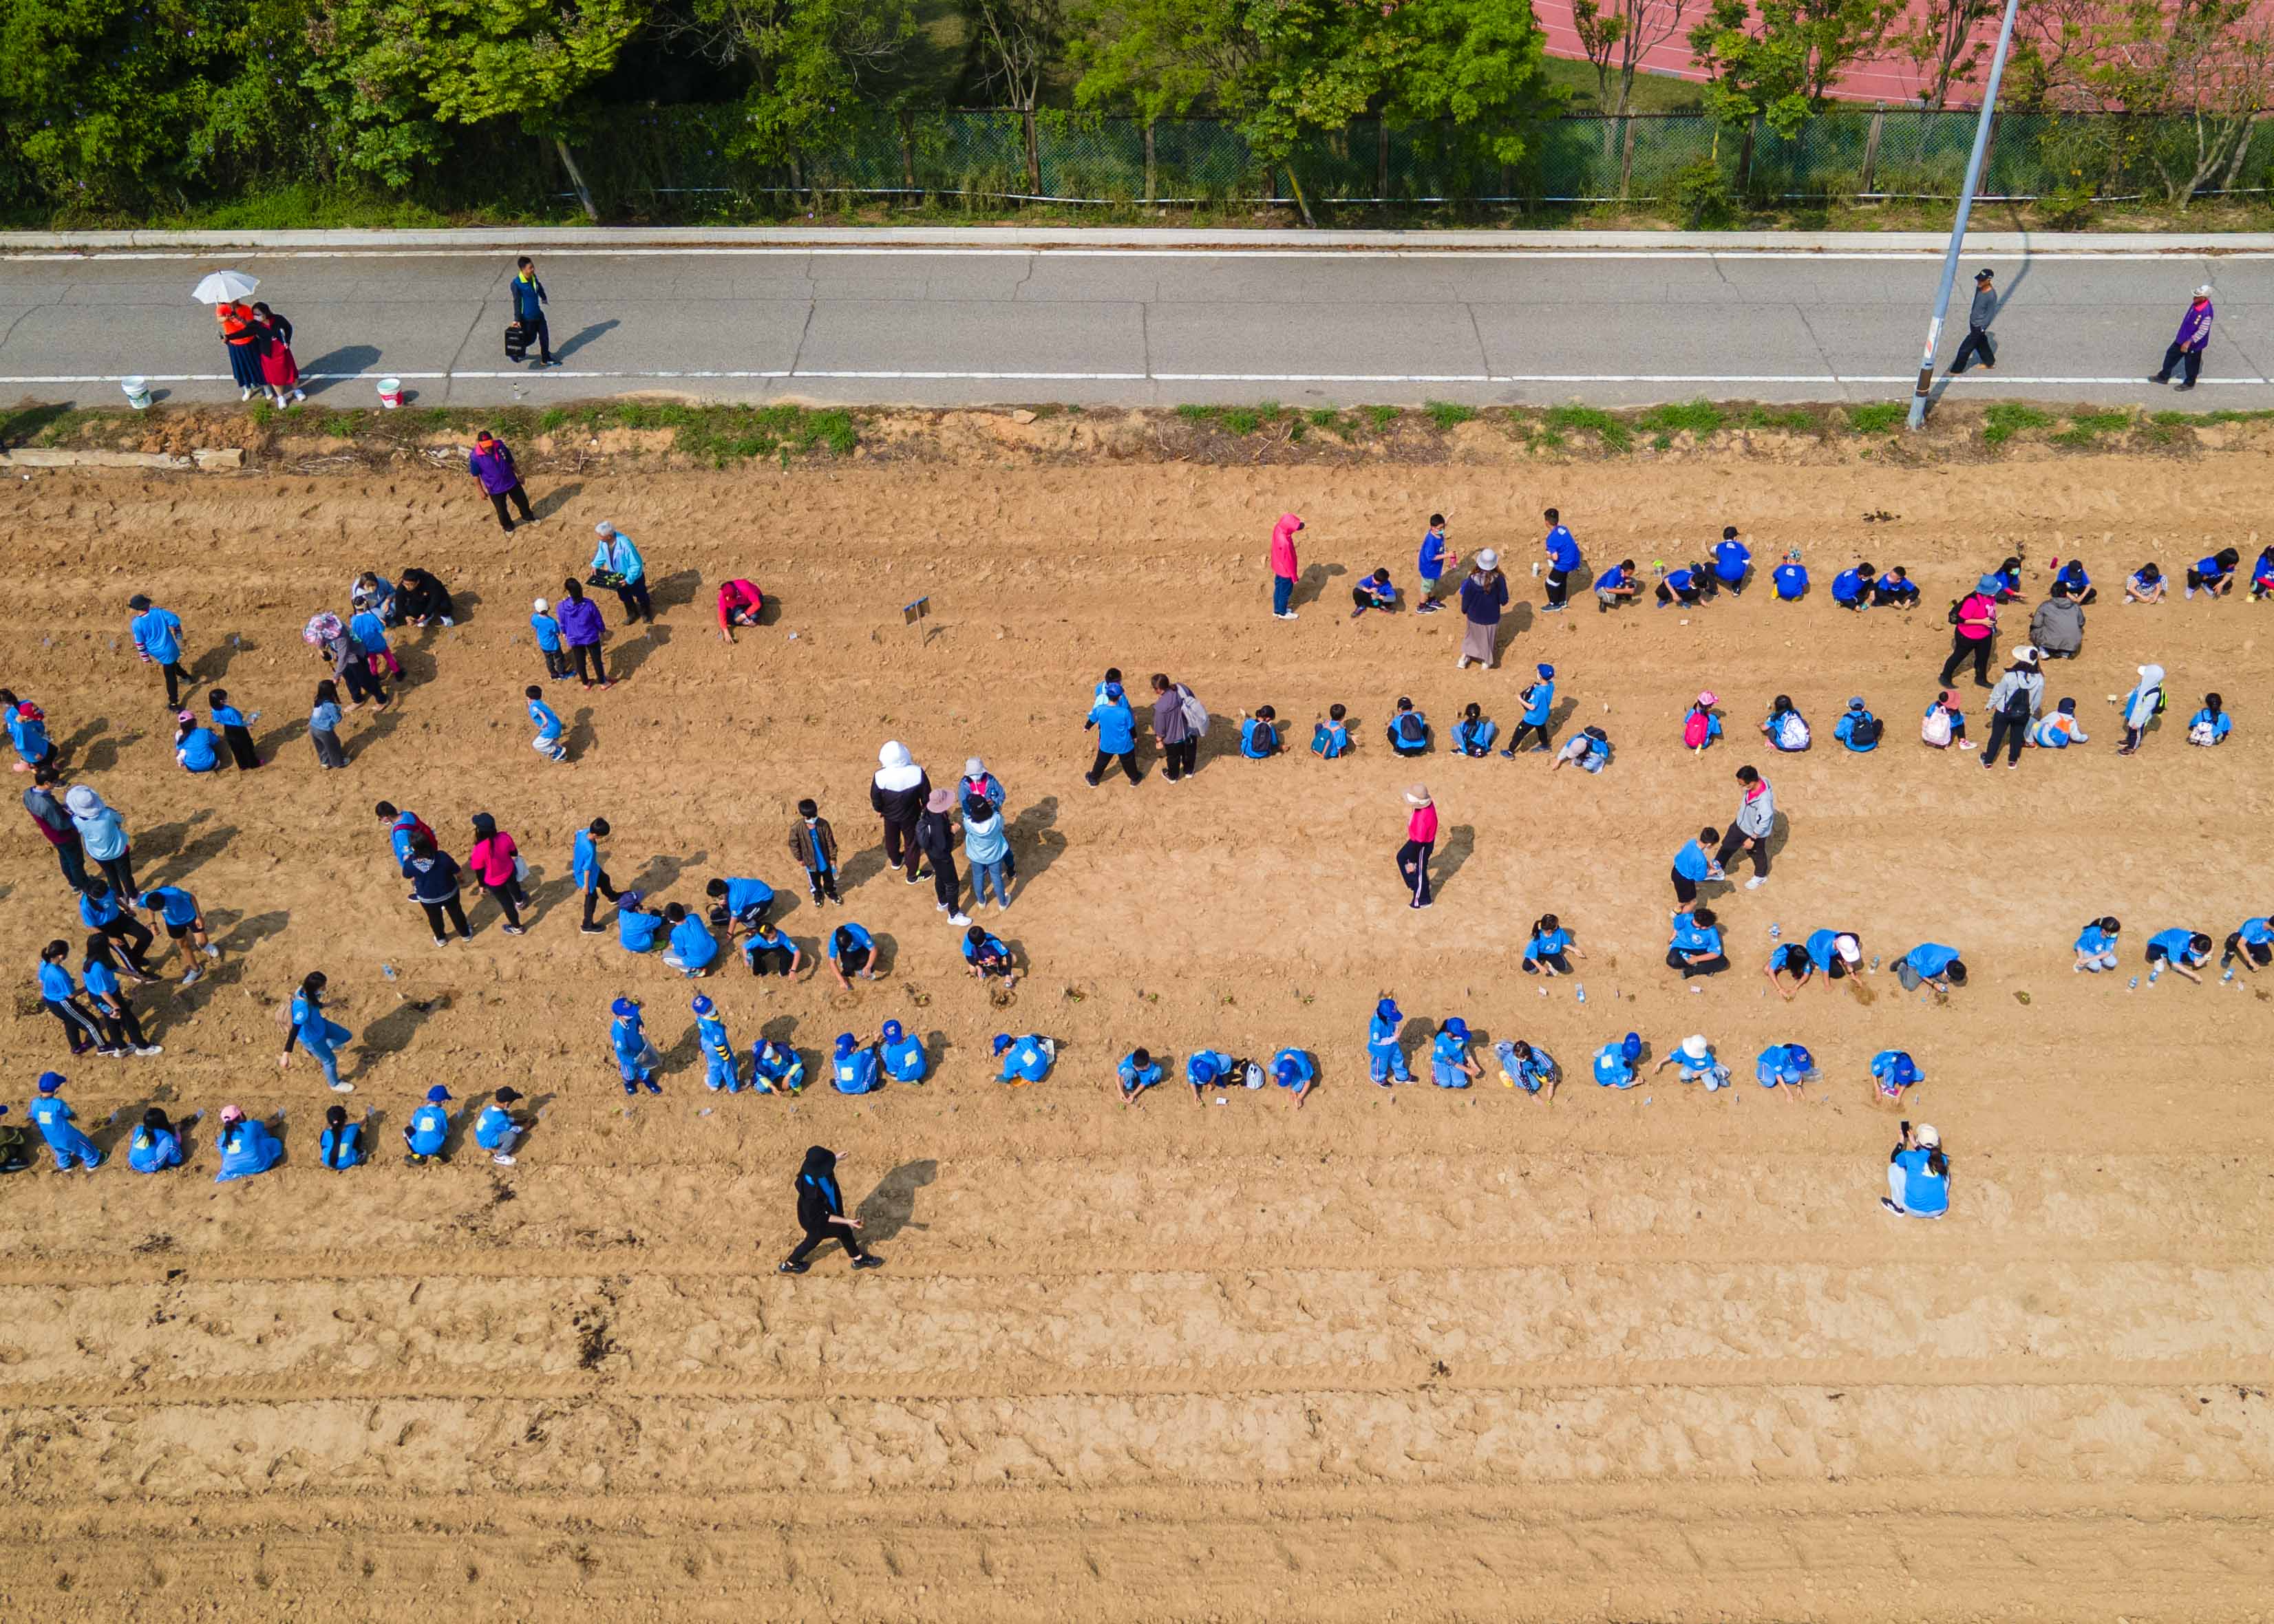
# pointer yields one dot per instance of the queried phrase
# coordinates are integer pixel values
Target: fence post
(908, 150)
(1626, 159)
(1034, 151)
(1152, 190)
(1381, 159)
(1990, 149)
(1745, 160)
(1871, 150)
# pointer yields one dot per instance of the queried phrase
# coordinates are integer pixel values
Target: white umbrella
(220, 285)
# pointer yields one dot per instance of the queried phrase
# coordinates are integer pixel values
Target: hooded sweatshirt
(2015, 681)
(492, 853)
(1757, 818)
(1283, 546)
(899, 789)
(104, 833)
(48, 814)
(2058, 627)
(819, 1199)
(739, 595)
(2138, 706)
(580, 620)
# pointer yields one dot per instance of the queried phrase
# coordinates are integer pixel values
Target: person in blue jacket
(1851, 588)
(1331, 737)
(1731, 559)
(1791, 579)
(1857, 728)
(343, 1144)
(1025, 1058)
(1408, 730)
(775, 1068)
(1473, 733)
(1137, 1071)
(1895, 589)
(1385, 1056)
(155, 1145)
(1539, 697)
(498, 1130)
(693, 950)
(1116, 734)
(1787, 1066)
(1686, 585)
(54, 1117)
(27, 730)
(548, 724)
(2095, 944)
(308, 1028)
(852, 1066)
(636, 927)
(590, 873)
(2211, 724)
(1449, 1063)
(1615, 585)
(852, 952)
(547, 633)
(985, 955)
(1615, 1062)
(721, 1068)
(2214, 575)
(2252, 946)
(1918, 1175)
(529, 301)
(403, 830)
(902, 1054)
(1211, 1068)
(1893, 1071)
(197, 747)
(1931, 964)
(157, 635)
(615, 556)
(1294, 1069)
(2182, 950)
(1694, 865)
(428, 1132)
(1549, 951)
(247, 1147)
(1696, 949)
(1527, 1066)
(635, 1057)
(1259, 734)
(2073, 577)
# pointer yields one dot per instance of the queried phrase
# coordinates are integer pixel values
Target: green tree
(809, 62)
(1778, 61)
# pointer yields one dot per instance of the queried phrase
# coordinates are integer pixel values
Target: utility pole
(1965, 208)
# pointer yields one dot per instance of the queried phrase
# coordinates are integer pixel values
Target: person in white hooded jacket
(899, 792)
(2140, 708)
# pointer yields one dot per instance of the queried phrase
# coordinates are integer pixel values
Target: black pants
(1710, 966)
(823, 883)
(633, 596)
(78, 1028)
(591, 667)
(556, 662)
(534, 331)
(1179, 760)
(455, 909)
(175, 678)
(71, 858)
(240, 745)
(855, 960)
(764, 962)
(119, 871)
(1558, 962)
(1516, 739)
(598, 889)
(2198, 581)
(1962, 649)
(1559, 582)
(2188, 361)
(2259, 952)
(1976, 346)
(133, 941)
(2005, 730)
(1413, 869)
(510, 897)
(946, 884)
(124, 1031)
(1685, 888)
(518, 497)
(1733, 843)
(1127, 758)
(831, 1232)
(362, 684)
(901, 849)
(1883, 597)
(1687, 600)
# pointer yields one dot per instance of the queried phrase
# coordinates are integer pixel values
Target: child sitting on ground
(1790, 578)
(1373, 592)
(1331, 738)
(1408, 730)
(1589, 749)
(1851, 588)
(1786, 728)
(1615, 585)
(2059, 730)
(2144, 585)
(2095, 944)
(1701, 725)
(1473, 733)
(1857, 728)
(1944, 722)
(2210, 724)
(1896, 588)
(1689, 586)
(1259, 734)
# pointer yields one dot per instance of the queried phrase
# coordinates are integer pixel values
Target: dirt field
(1394, 1356)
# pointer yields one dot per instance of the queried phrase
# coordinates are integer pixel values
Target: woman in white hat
(1483, 595)
(1918, 1175)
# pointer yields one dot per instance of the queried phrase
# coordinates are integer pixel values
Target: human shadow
(1780, 831)
(1312, 584)
(676, 589)
(584, 336)
(212, 665)
(546, 895)
(275, 739)
(381, 724)
(581, 738)
(1460, 844)
(631, 654)
(891, 1206)
(192, 857)
(1513, 623)
(1559, 718)
(236, 935)
(103, 754)
(154, 845)
(1034, 839)
(87, 734)
(352, 359)
(553, 501)
(392, 1032)
(865, 864)
(660, 872)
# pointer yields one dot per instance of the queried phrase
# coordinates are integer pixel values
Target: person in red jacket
(740, 604)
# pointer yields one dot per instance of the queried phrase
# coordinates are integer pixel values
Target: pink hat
(229, 1113)
(1706, 698)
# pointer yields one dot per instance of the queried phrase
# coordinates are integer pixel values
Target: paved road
(1136, 326)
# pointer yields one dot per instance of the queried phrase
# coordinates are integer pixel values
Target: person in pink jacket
(1284, 568)
(497, 865)
(740, 604)
(1420, 839)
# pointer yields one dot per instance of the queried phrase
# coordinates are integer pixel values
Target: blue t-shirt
(1539, 701)
(1823, 945)
(1257, 738)
(340, 1148)
(548, 724)
(1613, 1070)
(766, 939)
(228, 716)
(102, 981)
(1026, 1060)
(693, 944)
(585, 860)
(1895, 583)
(1611, 580)
(1791, 958)
(1432, 561)
(2178, 946)
(2094, 941)
(200, 749)
(1448, 1053)
(1778, 1065)
(985, 944)
(1563, 551)
(1680, 580)
(175, 904)
(1895, 1065)
(430, 1129)
(2211, 569)
(1691, 937)
(903, 1059)
(548, 632)
(1117, 726)
(369, 631)
(2256, 931)
(744, 894)
(2221, 725)
(1134, 1077)
(637, 931)
(98, 908)
(2073, 577)
(56, 982)
(1848, 586)
(861, 938)
(1924, 1190)
(1930, 960)
(1547, 942)
(1791, 580)
(158, 634)
(1731, 559)
(1691, 862)
(150, 1151)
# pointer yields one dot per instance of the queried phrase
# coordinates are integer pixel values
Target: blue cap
(1200, 1069)
(630, 899)
(1988, 583)
(702, 1005)
(1906, 1069)
(1113, 690)
(1546, 671)
(844, 1044)
(1002, 1041)
(624, 1006)
(1799, 1058)
(1459, 1027)
(892, 1032)
(49, 1081)
(437, 1095)
(1387, 1010)
(1630, 1046)
(1286, 1068)
(1857, 704)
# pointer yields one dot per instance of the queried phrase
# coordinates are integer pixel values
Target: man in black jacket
(899, 792)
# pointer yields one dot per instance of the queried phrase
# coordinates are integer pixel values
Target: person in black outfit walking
(1976, 342)
(821, 1214)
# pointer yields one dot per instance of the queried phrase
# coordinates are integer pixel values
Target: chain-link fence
(653, 157)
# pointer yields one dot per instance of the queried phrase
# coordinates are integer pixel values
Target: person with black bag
(2013, 703)
(528, 315)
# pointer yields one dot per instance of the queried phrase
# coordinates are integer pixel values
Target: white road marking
(1835, 379)
(940, 251)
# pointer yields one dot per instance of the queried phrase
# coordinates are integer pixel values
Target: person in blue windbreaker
(615, 555)
(1893, 1071)
(57, 1123)
(1615, 1062)
(1385, 1056)
(546, 631)
(1136, 1072)
(1731, 560)
(852, 1066)
(721, 1068)
(428, 1132)
(1116, 725)
(902, 1053)
(1259, 734)
(1449, 1064)
(693, 950)
(499, 1128)
(157, 635)
(156, 1144)
(1295, 1071)
(636, 927)
(635, 1057)
(1786, 1066)
(1527, 1066)
(1791, 579)
(246, 1146)
(308, 1028)
(343, 1143)
(1474, 732)
(1025, 1058)
(1211, 1068)
(775, 1068)
(2095, 944)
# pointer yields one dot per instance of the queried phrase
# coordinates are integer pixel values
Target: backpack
(1251, 1075)
(2016, 707)
(1866, 730)
(2202, 732)
(1412, 729)
(1196, 716)
(2162, 700)
(1950, 615)
(1935, 730)
(1265, 738)
(1792, 732)
(1322, 740)
(1696, 729)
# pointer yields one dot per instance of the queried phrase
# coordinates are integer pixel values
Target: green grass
(30, 425)
(2008, 418)
(1449, 414)
(1876, 417)
(1384, 416)
(1763, 418)
(1614, 433)
(2086, 427)
(1652, 93)
(1700, 417)
(1241, 420)
(1326, 418)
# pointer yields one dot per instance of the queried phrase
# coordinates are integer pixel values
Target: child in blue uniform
(637, 929)
(1137, 1071)
(721, 1069)
(693, 950)
(1893, 1071)
(1408, 730)
(1259, 734)
(1433, 562)
(234, 731)
(1791, 958)
(308, 1028)
(1787, 1066)
(1791, 579)
(766, 949)
(2182, 950)
(340, 1145)
(498, 1130)
(2072, 576)
(247, 1147)
(1116, 734)
(1686, 586)
(902, 1054)
(1931, 964)
(1294, 1069)
(197, 749)
(27, 730)
(1473, 733)
(1211, 1068)
(775, 1068)
(1373, 592)
(1385, 1056)
(1851, 588)
(60, 996)
(1857, 728)
(1895, 589)
(1549, 950)
(852, 1066)
(1918, 1175)
(590, 873)
(1696, 949)
(1331, 738)
(429, 1130)
(1539, 697)
(984, 955)
(1026, 1059)
(154, 1146)
(1694, 865)
(1588, 749)
(547, 631)
(1614, 1062)
(2210, 724)
(2214, 576)
(1786, 729)
(1701, 723)
(1615, 585)
(852, 950)
(2095, 944)
(1522, 1065)
(1450, 1064)
(635, 1057)
(56, 1120)
(2252, 946)
(547, 721)
(1695, 1062)
(2145, 585)
(1731, 559)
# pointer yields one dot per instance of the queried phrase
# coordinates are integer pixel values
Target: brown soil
(1409, 1355)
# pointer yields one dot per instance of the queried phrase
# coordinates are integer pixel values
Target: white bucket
(390, 393)
(138, 392)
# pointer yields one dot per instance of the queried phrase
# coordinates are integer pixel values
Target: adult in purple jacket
(491, 467)
(2186, 351)
(582, 628)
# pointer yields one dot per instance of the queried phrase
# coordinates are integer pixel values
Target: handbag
(520, 868)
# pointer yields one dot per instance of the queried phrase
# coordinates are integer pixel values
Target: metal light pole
(1958, 226)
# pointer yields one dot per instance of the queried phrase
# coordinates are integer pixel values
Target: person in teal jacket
(775, 1068)
(498, 1130)
(721, 1069)
(429, 1130)
(1294, 1070)
(1474, 732)
(903, 1054)
(342, 1144)
(616, 556)
(154, 1146)
(309, 1027)
(246, 1146)
(1615, 1062)
(1137, 1071)
(1026, 1059)
(1450, 1064)
(852, 1066)
(1117, 734)
(1857, 728)
(1385, 1056)
(637, 929)
(57, 1124)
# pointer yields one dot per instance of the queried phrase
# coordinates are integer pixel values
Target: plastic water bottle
(2229, 976)
(1579, 990)
(2133, 985)
(386, 970)
(1875, 961)
(1776, 930)
(2155, 974)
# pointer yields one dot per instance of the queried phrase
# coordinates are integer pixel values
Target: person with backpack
(1259, 734)
(1589, 750)
(1701, 724)
(1756, 821)
(1473, 733)
(1696, 949)
(1786, 728)
(1944, 722)
(1117, 731)
(1918, 1175)
(2056, 629)
(1974, 623)
(2142, 705)
(1693, 867)
(1178, 722)
(1731, 561)
(490, 464)
(1484, 595)
(2210, 724)
(528, 301)
(1421, 841)
(1539, 697)
(1330, 734)
(1408, 730)
(1857, 728)
(2095, 944)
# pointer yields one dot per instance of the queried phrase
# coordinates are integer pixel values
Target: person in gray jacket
(1977, 328)
(1750, 834)
(2058, 627)
(2013, 705)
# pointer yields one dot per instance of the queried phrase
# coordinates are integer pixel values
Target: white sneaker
(1757, 881)
(149, 1049)
(1291, 613)
(343, 1087)
(1966, 744)
(503, 1160)
(958, 918)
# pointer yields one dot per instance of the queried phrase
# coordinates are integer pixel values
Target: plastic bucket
(390, 393)
(138, 392)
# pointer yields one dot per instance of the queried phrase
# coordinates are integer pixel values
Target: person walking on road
(158, 639)
(1284, 567)
(619, 564)
(1750, 834)
(821, 1214)
(1976, 342)
(2186, 351)
(491, 466)
(529, 300)
(1421, 841)
(1975, 618)
(1483, 595)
